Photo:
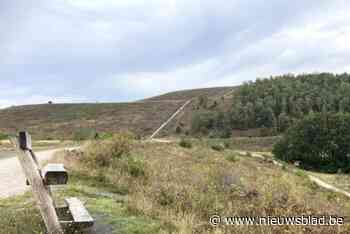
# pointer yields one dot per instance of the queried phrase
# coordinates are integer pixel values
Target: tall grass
(173, 185)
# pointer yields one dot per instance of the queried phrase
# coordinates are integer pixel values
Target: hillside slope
(191, 93)
(64, 121)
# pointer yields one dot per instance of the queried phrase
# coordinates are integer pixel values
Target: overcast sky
(123, 50)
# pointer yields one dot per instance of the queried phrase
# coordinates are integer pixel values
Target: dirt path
(312, 178)
(328, 186)
(12, 179)
(171, 118)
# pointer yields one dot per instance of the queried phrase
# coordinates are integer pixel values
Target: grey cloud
(59, 49)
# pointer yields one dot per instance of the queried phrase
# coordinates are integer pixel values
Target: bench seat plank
(79, 212)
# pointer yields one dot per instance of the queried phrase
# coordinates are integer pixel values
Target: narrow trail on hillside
(312, 178)
(13, 181)
(328, 186)
(170, 119)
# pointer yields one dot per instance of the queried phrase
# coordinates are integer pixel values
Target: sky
(125, 50)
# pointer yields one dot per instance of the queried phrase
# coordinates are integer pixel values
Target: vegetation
(180, 188)
(3, 136)
(165, 188)
(82, 121)
(185, 143)
(191, 93)
(232, 157)
(256, 144)
(274, 104)
(320, 141)
(218, 147)
(84, 134)
(211, 123)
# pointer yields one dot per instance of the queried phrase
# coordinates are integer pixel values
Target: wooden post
(41, 193)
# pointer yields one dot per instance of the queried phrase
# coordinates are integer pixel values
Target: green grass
(20, 215)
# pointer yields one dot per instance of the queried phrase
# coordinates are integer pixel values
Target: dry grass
(191, 93)
(65, 121)
(183, 187)
(339, 180)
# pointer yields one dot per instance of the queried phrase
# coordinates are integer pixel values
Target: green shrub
(232, 157)
(301, 173)
(135, 166)
(218, 147)
(211, 123)
(105, 136)
(185, 143)
(102, 153)
(84, 134)
(320, 142)
(227, 144)
(3, 136)
(178, 130)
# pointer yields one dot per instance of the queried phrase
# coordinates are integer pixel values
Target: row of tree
(277, 102)
(319, 142)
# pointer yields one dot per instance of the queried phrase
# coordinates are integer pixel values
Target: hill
(270, 106)
(67, 121)
(191, 93)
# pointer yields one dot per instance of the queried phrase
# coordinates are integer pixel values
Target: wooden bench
(80, 215)
(54, 174)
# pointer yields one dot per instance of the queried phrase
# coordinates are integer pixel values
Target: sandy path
(12, 179)
(314, 179)
(328, 186)
(170, 119)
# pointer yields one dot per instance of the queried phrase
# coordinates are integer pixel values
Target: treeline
(318, 142)
(277, 102)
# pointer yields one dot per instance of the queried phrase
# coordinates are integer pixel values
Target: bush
(135, 166)
(102, 153)
(232, 157)
(185, 143)
(211, 123)
(320, 142)
(218, 147)
(178, 130)
(105, 136)
(84, 134)
(3, 136)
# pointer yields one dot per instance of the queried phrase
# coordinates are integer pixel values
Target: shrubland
(179, 188)
(133, 186)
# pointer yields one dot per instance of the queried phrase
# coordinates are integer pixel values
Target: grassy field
(147, 187)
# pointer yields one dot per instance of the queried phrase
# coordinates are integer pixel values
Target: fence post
(41, 192)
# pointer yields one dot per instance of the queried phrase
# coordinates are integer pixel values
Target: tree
(320, 141)
(203, 101)
(284, 122)
(277, 102)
